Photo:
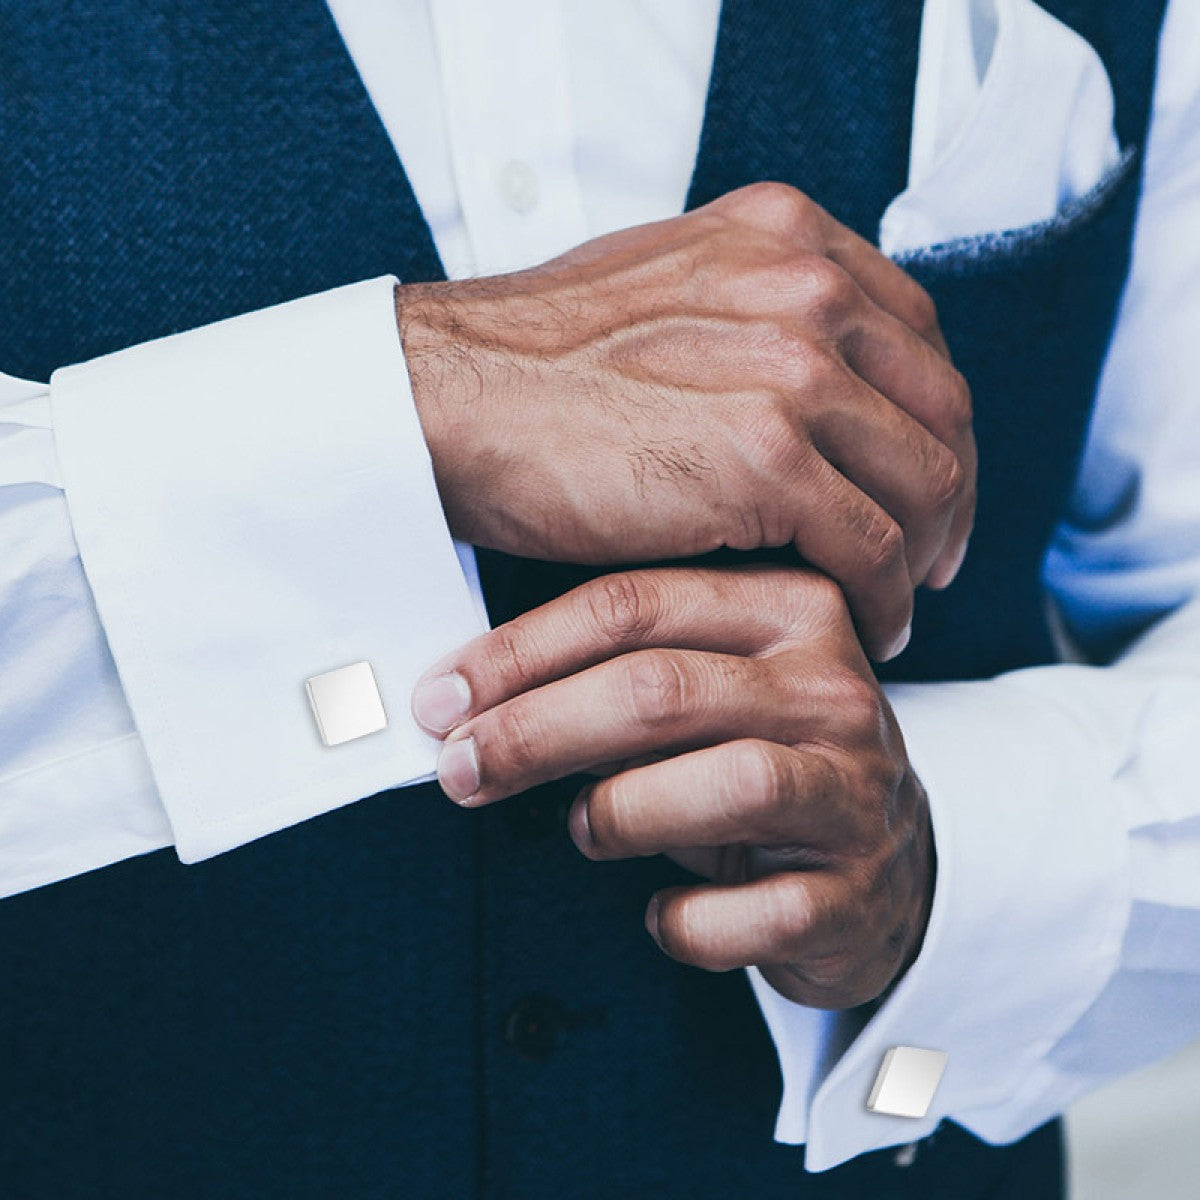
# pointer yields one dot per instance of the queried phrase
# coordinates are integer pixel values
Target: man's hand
(751, 374)
(738, 728)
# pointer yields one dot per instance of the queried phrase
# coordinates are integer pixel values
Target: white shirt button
(518, 184)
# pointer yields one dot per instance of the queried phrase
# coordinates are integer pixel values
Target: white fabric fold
(249, 500)
(1013, 119)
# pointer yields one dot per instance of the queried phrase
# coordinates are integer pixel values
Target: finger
(900, 465)
(729, 611)
(799, 918)
(888, 285)
(901, 367)
(647, 701)
(946, 567)
(846, 534)
(747, 791)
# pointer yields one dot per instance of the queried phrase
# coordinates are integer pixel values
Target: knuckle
(769, 439)
(814, 368)
(856, 702)
(826, 297)
(518, 749)
(832, 289)
(774, 348)
(827, 942)
(659, 688)
(882, 546)
(789, 914)
(775, 592)
(821, 596)
(945, 480)
(624, 607)
(853, 713)
(777, 206)
(836, 929)
(759, 772)
(509, 655)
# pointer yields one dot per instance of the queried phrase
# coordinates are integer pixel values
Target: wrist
(430, 358)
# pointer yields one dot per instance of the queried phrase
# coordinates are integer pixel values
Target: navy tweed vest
(401, 999)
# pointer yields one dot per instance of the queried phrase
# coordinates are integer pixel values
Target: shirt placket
(511, 130)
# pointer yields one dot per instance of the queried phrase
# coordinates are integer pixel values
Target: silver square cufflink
(907, 1080)
(346, 703)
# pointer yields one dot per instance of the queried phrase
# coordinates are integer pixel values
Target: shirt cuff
(1030, 908)
(254, 504)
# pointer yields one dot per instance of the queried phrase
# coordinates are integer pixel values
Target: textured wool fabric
(331, 1011)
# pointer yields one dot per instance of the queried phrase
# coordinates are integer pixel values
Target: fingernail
(652, 910)
(458, 770)
(440, 703)
(959, 559)
(900, 643)
(580, 826)
(946, 576)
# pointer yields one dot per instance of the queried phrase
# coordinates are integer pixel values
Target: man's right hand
(750, 374)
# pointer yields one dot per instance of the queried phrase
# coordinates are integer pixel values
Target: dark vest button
(534, 1026)
(536, 815)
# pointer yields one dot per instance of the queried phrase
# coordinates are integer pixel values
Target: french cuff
(1030, 907)
(254, 505)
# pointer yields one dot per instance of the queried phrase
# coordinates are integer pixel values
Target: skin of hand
(750, 374)
(735, 724)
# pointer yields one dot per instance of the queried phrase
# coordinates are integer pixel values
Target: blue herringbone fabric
(332, 1011)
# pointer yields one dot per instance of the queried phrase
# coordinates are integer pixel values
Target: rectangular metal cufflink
(346, 703)
(907, 1080)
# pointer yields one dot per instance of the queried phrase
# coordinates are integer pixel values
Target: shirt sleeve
(1063, 947)
(193, 528)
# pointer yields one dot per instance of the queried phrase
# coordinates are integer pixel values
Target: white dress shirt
(192, 528)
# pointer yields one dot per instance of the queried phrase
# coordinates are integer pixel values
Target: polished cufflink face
(346, 703)
(906, 1081)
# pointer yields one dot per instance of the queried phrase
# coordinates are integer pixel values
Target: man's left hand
(737, 727)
